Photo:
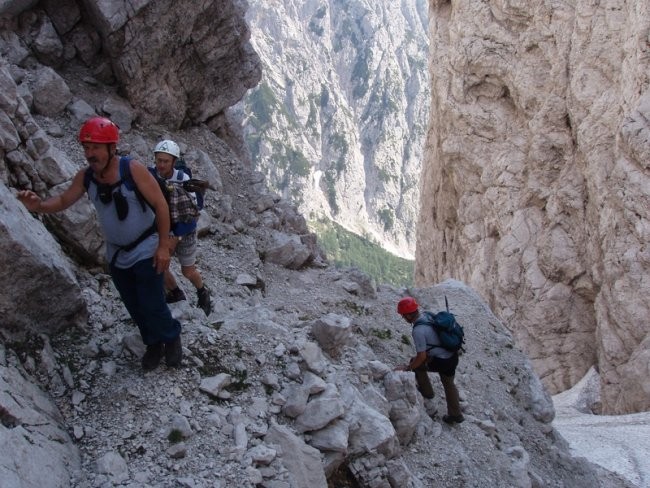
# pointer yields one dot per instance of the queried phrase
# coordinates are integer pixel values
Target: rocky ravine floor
(121, 420)
(619, 443)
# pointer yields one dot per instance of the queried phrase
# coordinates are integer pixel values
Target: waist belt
(132, 245)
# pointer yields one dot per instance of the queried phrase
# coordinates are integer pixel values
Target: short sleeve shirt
(424, 337)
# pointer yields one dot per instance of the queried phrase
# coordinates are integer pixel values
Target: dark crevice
(8, 420)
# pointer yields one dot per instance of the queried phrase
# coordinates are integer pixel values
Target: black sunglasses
(105, 193)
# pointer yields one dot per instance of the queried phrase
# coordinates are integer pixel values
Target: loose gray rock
(51, 93)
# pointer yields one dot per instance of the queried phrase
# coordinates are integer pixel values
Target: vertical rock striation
(535, 186)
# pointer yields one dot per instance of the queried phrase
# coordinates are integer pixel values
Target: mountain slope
(337, 123)
(290, 379)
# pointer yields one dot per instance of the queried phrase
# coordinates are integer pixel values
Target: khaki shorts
(186, 250)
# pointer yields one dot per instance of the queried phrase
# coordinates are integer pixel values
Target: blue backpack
(450, 332)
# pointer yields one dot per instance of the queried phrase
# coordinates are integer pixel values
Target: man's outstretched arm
(57, 203)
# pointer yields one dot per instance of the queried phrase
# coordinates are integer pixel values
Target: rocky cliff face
(160, 53)
(52, 54)
(337, 123)
(536, 187)
(287, 383)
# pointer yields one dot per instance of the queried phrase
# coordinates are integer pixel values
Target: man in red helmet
(431, 356)
(137, 242)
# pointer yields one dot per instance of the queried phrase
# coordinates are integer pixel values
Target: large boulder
(40, 291)
(303, 462)
(37, 448)
(178, 61)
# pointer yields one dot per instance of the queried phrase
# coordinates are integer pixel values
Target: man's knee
(445, 378)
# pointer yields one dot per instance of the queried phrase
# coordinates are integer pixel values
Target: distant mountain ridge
(337, 123)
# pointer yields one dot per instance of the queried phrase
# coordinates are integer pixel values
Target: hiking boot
(174, 353)
(151, 358)
(453, 419)
(175, 295)
(204, 302)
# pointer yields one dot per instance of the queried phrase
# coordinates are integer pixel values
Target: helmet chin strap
(111, 155)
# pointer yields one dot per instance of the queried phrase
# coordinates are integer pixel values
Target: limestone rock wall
(198, 50)
(178, 62)
(535, 185)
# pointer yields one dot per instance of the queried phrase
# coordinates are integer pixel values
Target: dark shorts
(446, 367)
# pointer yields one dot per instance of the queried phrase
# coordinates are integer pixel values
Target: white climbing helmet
(169, 147)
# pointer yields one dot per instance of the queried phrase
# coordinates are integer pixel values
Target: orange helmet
(407, 305)
(100, 130)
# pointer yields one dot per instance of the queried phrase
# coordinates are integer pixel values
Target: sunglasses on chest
(107, 194)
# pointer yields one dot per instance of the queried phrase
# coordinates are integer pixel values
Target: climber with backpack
(184, 207)
(137, 236)
(438, 338)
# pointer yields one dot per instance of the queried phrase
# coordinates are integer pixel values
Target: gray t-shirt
(424, 337)
(123, 232)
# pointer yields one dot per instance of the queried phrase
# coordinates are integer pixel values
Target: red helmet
(407, 305)
(99, 129)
